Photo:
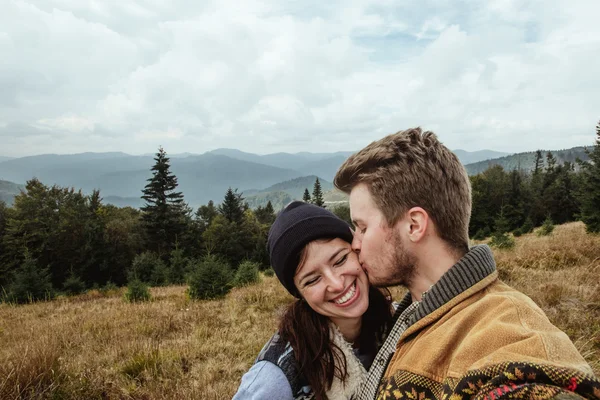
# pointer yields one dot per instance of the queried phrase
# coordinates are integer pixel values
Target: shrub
(269, 272)
(143, 266)
(30, 283)
(210, 279)
(502, 241)
(160, 274)
(73, 285)
(177, 265)
(518, 232)
(246, 274)
(483, 233)
(527, 226)
(137, 291)
(547, 228)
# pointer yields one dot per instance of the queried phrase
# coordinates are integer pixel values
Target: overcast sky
(269, 76)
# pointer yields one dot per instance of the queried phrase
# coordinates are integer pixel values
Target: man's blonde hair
(409, 169)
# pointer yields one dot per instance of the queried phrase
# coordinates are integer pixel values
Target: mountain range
(279, 177)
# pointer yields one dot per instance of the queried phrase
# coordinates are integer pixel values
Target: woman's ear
(418, 221)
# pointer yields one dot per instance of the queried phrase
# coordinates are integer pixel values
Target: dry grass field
(96, 346)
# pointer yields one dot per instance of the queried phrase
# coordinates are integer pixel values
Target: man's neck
(433, 263)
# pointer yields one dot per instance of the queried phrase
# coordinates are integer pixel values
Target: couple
(459, 332)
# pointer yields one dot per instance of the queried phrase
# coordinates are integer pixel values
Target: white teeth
(348, 295)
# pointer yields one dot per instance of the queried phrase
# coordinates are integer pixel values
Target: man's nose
(356, 244)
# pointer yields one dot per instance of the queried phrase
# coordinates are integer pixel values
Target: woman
(327, 338)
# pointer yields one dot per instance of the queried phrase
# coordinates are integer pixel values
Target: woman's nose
(336, 282)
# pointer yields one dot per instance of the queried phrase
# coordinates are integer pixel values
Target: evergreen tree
(205, 214)
(165, 211)
(233, 206)
(342, 211)
(317, 194)
(537, 212)
(266, 214)
(4, 216)
(30, 283)
(590, 191)
(306, 196)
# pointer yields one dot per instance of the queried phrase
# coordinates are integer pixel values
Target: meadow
(97, 346)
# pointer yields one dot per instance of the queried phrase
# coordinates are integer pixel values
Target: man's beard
(401, 264)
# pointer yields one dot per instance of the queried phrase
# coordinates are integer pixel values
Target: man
(460, 332)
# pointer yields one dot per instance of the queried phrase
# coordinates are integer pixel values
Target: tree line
(55, 239)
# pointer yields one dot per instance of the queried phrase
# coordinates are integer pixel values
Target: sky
(297, 75)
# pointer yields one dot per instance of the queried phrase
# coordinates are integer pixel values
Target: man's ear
(418, 221)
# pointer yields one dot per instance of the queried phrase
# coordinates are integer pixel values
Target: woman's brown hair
(319, 359)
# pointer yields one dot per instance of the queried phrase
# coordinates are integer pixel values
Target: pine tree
(317, 194)
(205, 214)
(165, 211)
(590, 193)
(31, 283)
(266, 214)
(233, 206)
(306, 197)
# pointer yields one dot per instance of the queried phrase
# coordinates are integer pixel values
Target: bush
(482, 234)
(527, 226)
(109, 289)
(30, 283)
(547, 228)
(177, 265)
(502, 241)
(160, 274)
(210, 279)
(144, 266)
(269, 272)
(518, 232)
(246, 274)
(137, 291)
(73, 285)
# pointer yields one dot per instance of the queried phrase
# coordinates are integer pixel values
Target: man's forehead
(360, 197)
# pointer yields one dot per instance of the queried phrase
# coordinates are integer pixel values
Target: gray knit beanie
(297, 225)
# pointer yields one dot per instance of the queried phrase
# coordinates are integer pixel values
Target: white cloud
(268, 76)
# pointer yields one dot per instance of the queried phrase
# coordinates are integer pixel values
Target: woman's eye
(341, 260)
(362, 231)
(312, 281)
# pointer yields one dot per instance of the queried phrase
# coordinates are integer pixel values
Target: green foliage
(547, 228)
(232, 207)
(266, 214)
(165, 214)
(30, 283)
(590, 191)
(527, 226)
(269, 272)
(73, 285)
(161, 274)
(58, 227)
(206, 214)
(482, 233)
(147, 267)
(210, 279)
(343, 212)
(137, 291)
(502, 241)
(306, 196)
(501, 223)
(317, 194)
(178, 265)
(517, 232)
(246, 274)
